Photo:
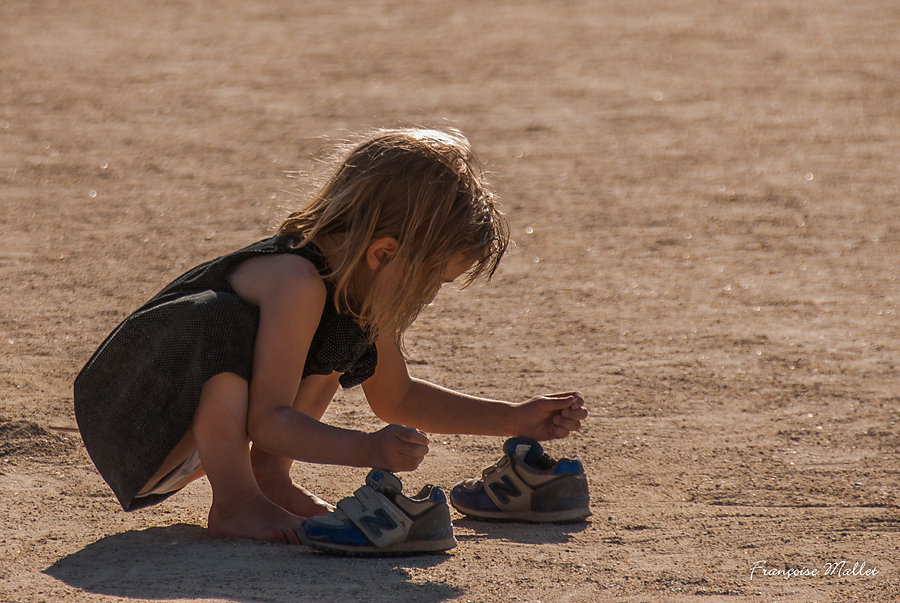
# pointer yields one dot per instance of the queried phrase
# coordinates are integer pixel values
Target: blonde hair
(426, 189)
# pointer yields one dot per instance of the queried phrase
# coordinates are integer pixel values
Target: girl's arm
(290, 295)
(398, 398)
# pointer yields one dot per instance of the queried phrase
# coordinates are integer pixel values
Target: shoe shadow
(183, 562)
(525, 533)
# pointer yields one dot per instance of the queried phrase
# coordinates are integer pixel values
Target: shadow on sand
(183, 562)
(525, 533)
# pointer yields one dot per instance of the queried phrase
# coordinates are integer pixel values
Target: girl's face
(380, 251)
(456, 268)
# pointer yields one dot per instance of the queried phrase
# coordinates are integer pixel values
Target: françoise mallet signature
(831, 569)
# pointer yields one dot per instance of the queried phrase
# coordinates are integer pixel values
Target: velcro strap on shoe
(376, 516)
(507, 490)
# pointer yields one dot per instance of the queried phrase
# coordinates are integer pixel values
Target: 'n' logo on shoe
(504, 489)
(379, 522)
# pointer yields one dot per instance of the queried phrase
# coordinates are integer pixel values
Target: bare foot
(253, 516)
(293, 497)
(273, 476)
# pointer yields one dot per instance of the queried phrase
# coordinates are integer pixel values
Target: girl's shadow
(183, 562)
(525, 533)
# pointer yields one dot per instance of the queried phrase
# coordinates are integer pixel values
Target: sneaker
(379, 520)
(525, 485)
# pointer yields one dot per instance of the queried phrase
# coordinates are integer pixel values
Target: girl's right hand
(397, 448)
(550, 417)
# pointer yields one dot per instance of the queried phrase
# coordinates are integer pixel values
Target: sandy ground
(705, 201)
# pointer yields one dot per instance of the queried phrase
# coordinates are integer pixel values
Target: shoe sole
(420, 547)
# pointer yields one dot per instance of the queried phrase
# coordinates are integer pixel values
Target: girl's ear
(380, 251)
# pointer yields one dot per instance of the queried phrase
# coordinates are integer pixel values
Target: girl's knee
(224, 383)
(224, 398)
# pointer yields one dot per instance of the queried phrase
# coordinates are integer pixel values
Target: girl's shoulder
(284, 270)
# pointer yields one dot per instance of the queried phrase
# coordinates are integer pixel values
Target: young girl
(227, 371)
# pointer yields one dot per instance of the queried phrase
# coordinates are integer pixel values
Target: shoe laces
(500, 464)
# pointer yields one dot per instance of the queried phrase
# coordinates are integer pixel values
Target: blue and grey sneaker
(525, 485)
(379, 520)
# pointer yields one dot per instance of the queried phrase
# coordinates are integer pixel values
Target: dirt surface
(705, 201)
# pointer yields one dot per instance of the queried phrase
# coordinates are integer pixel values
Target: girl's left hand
(549, 417)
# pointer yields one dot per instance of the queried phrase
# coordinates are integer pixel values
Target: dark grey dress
(135, 398)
